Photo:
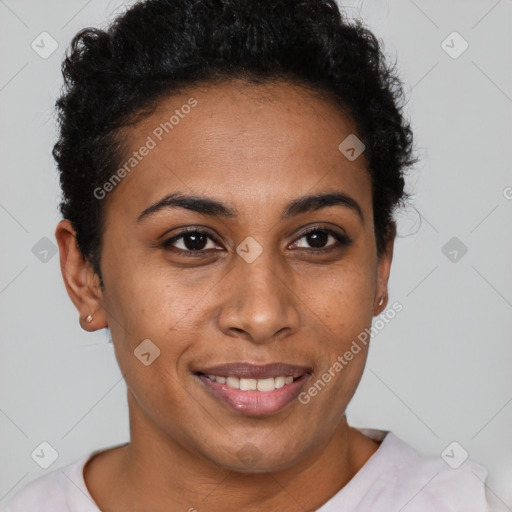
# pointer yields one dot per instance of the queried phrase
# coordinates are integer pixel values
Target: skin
(254, 148)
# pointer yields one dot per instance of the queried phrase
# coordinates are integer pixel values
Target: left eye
(317, 239)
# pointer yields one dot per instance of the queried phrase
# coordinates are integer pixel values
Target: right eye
(191, 242)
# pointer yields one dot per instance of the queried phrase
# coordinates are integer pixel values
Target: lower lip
(255, 403)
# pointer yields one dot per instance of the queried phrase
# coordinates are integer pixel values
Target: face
(249, 273)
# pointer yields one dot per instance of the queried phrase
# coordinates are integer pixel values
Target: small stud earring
(381, 301)
(89, 319)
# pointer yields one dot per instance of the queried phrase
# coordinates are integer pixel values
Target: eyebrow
(214, 208)
(318, 201)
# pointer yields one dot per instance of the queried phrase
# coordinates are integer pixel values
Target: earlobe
(82, 283)
(381, 305)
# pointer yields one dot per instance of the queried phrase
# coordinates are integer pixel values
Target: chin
(253, 459)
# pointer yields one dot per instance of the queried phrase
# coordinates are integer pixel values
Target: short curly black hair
(115, 77)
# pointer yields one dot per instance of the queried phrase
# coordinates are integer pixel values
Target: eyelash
(343, 240)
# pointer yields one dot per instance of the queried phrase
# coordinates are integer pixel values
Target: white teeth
(268, 384)
(247, 384)
(280, 382)
(234, 382)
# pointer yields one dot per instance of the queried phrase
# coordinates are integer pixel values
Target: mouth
(255, 390)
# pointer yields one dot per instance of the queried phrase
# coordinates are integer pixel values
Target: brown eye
(321, 239)
(192, 240)
(317, 239)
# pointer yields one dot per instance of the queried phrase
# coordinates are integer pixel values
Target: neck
(156, 472)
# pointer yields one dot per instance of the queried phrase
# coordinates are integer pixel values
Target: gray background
(441, 371)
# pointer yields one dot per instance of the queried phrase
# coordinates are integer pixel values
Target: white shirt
(395, 478)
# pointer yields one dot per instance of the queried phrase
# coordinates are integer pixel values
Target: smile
(254, 390)
(265, 385)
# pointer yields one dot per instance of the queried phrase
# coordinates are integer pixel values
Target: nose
(259, 303)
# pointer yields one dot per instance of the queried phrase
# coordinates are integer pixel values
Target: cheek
(160, 396)
(342, 307)
(342, 297)
(147, 318)
(146, 299)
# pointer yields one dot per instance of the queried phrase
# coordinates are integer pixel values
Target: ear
(82, 283)
(383, 271)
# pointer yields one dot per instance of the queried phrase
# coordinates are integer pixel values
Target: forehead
(242, 142)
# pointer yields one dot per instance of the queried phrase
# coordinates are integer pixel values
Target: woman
(229, 171)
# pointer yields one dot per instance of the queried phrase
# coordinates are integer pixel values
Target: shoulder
(61, 490)
(398, 477)
(40, 495)
(450, 481)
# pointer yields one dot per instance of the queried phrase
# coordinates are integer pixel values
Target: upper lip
(252, 371)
